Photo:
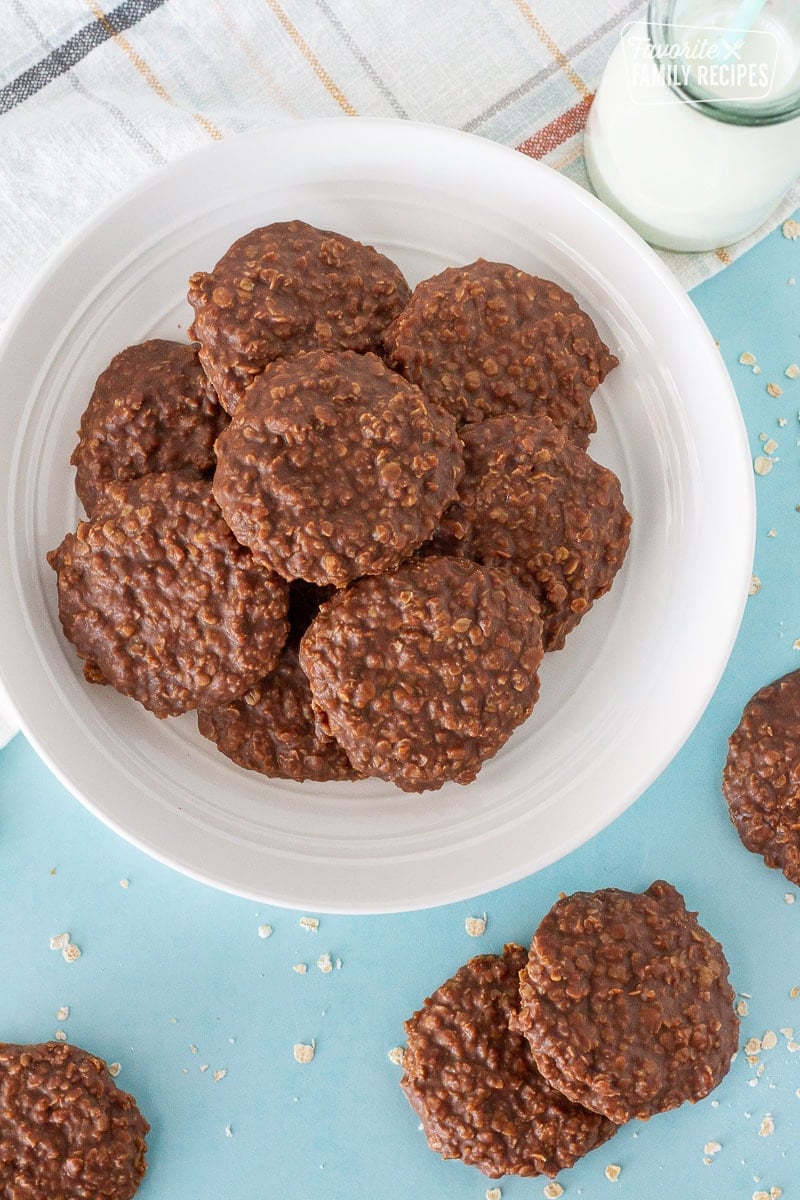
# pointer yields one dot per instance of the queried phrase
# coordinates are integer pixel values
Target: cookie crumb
(793, 1047)
(712, 1148)
(310, 924)
(228, 1131)
(755, 586)
(770, 446)
(613, 1172)
(752, 1046)
(775, 1193)
(756, 369)
(63, 1013)
(324, 963)
(193, 1048)
(124, 883)
(791, 229)
(300, 968)
(71, 952)
(767, 1127)
(220, 1074)
(772, 533)
(203, 1068)
(794, 993)
(762, 465)
(746, 358)
(788, 897)
(551, 1191)
(476, 926)
(395, 1055)
(60, 1035)
(59, 942)
(769, 1041)
(493, 1194)
(303, 1052)
(774, 390)
(787, 1032)
(114, 1069)
(741, 1008)
(265, 931)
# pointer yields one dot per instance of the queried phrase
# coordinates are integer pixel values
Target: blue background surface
(168, 964)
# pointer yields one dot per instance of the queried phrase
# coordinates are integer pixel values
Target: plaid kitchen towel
(93, 96)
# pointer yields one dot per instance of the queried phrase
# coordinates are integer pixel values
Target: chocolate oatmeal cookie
(488, 339)
(272, 728)
(152, 410)
(533, 502)
(156, 593)
(334, 467)
(67, 1132)
(423, 673)
(761, 780)
(475, 1086)
(285, 288)
(626, 1003)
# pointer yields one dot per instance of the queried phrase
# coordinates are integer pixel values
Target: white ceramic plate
(617, 702)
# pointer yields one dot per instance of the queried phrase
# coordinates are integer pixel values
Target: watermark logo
(710, 65)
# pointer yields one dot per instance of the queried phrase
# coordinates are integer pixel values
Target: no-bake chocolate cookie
(152, 410)
(334, 467)
(67, 1132)
(159, 597)
(289, 287)
(475, 1086)
(488, 339)
(761, 780)
(533, 502)
(423, 673)
(626, 1003)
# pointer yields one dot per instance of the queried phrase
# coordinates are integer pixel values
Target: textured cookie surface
(423, 673)
(761, 780)
(272, 728)
(67, 1132)
(156, 593)
(152, 410)
(488, 339)
(535, 503)
(289, 287)
(475, 1086)
(334, 467)
(626, 1003)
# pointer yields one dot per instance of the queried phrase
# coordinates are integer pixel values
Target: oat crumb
(71, 953)
(792, 371)
(311, 924)
(788, 897)
(762, 465)
(193, 1048)
(265, 931)
(493, 1194)
(220, 1074)
(774, 389)
(60, 1035)
(114, 1069)
(613, 1172)
(770, 446)
(796, 644)
(769, 1041)
(775, 1193)
(708, 1161)
(712, 1148)
(794, 993)
(782, 422)
(741, 1008)
(791, 229)
(752, 1046)
(760, 1195)
(755, 586)
(59, 942)
(787, 1032)
(793, 1047)
(300, 968)
(551, 1190)
(476, 926)
(746, 358)
(324, 963)
(767, 1127)
(228, 1131)
(203, 1068)
(303, 1052)
(63, 1013)
(715, 1103)
(338, 964)
(396, 1055)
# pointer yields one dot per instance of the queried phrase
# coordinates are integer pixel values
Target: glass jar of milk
(694, 134)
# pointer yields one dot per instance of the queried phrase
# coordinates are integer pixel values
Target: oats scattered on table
(712, 1148)
(774, 389)
(741, 1008)
(59, 942)
(114, 1069)
(796, 644)
(324, 963)
(220, 1074)
(300, 968)
(770, 446)
(769, 1040)
(792, 371)
(762, 465)
(63, 1013)
(756, 369)
(304, 1051)
(746, 358)
(791, 229)
(71, 953)
(755, 586)
(476, 926)
(794, 993)
(613, 1172)
(310, 924)
(767, 1126)
(265, 931)
(60, 1035)
(551, 1191)
(395, 1055)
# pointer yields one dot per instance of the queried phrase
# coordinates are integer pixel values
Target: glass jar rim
(785, 108)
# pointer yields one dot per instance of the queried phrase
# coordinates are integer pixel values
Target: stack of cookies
(524, 1062)
(346, 522)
